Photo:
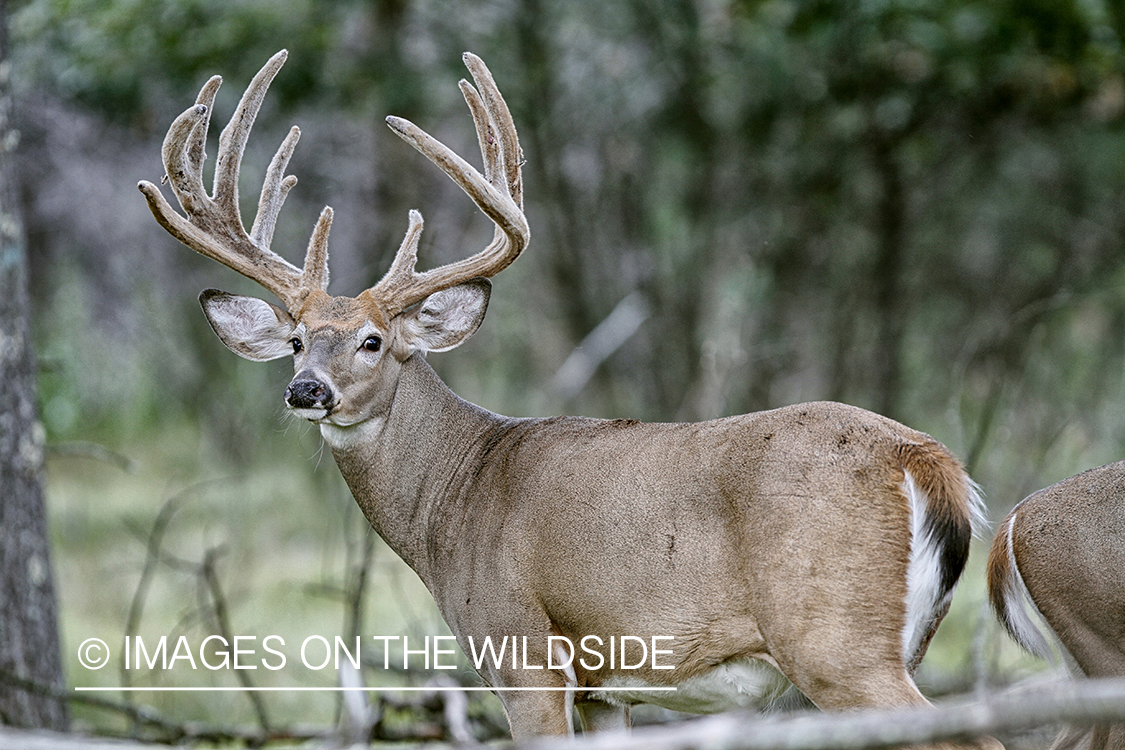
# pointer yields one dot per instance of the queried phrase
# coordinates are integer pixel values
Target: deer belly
(743, 683)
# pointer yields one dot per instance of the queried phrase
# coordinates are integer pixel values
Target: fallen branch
(1083, 702)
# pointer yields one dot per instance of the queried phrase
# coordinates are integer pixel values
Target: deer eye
(372, 343)
(296, 344)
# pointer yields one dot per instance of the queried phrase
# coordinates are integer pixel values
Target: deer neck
(401, 467)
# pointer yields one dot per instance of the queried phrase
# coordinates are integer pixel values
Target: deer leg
(532, 713)
(1110, 737)
(599, 716)
(850, 683)
(1074, 738)
(867, 686)
(885, 689)
(1097, 737)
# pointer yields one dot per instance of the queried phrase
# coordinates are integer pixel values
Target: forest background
(914, 207)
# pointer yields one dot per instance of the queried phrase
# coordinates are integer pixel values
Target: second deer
(1058, 560)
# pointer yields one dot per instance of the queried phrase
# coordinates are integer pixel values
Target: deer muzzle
(305, 392)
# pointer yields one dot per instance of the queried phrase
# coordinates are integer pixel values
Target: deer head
(347, 350)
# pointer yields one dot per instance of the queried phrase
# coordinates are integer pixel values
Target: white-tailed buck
(818, 543)
(1059, 559)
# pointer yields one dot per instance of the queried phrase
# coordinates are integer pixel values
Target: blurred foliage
(910, 206)
(90, 49)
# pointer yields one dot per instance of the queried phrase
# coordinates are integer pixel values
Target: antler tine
(213, 225)
(315, 273)
(232, 141)
(511, 153)
(274, 189)
(183, 148)
(486, 135)
(498, 193)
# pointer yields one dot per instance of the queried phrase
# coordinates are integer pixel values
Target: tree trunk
(29, 641)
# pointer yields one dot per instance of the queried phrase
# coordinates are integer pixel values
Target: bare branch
(95, 451)
(222, 621)
(1023, 707)
(598, 345)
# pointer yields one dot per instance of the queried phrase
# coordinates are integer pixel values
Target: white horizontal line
(441, 689)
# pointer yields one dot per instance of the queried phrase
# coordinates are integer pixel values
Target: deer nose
(308, 393)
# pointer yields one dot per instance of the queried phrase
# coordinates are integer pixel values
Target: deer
(814, 545)
(1055, 580)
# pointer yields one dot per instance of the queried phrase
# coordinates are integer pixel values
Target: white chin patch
(350, 437)
(313, 415)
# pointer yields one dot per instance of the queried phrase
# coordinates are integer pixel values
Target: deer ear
(446, 318)
(250, 327)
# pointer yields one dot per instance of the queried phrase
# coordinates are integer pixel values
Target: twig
(606, 338)
(222, 622)
(455, 711)
(168, 731)
(357, 585)
(137, 714)
(31, 686)
(354, 595)
(356, 716)
(140, 594)
(96, 452)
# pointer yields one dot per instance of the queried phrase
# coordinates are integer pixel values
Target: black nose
(308, 394)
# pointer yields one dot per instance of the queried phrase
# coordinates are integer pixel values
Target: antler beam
(212, 225)
(498, 193)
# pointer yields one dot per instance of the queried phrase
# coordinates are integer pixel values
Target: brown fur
(999, 572)
(1068, 542)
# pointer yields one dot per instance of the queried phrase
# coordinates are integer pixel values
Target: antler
(498, 193)
(213, 225)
